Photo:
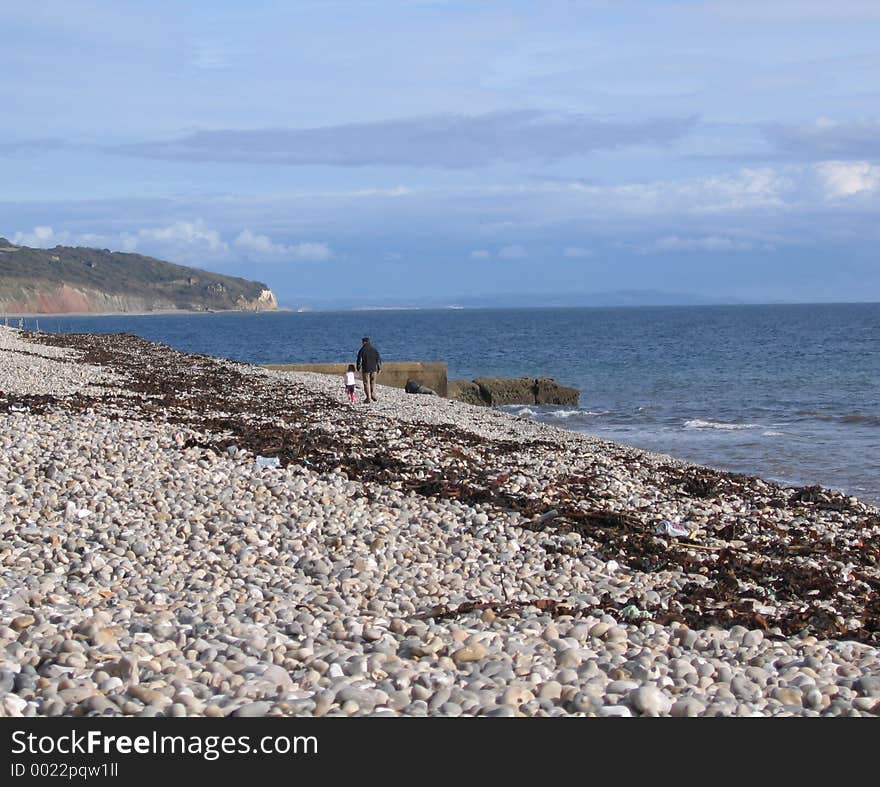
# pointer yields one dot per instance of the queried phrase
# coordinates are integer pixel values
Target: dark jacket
(368, 359)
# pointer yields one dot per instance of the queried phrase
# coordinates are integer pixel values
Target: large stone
(76, 694)
(415, 387)
(7, 681)
(687, 706)
(548, 391)
(469, 653)
(498, 391)
(868, 684)
(649, 701)
(252, 709)
(21, 622)
(466, 391)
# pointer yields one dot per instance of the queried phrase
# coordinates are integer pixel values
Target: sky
(379, 151)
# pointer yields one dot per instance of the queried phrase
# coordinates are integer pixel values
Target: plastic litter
(268, 461)
(544, 518)
(632, 612)
(667, 528)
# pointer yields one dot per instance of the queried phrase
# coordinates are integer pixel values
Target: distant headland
(65, 280)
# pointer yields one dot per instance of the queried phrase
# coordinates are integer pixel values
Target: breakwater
(487, 391)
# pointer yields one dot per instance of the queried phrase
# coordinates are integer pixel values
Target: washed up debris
(667, 528)
(35, 404)
(268, 461)
(783, 546)
(548, 605)
(541, 520)
(632, 612)
(73, 511)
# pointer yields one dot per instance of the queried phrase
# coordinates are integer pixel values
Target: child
(349, 382)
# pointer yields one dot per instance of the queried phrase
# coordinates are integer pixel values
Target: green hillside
(24, 271)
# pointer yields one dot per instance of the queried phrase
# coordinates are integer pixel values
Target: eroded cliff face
(64, 299)
(266, 302)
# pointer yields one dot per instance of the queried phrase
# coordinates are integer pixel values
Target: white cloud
(183, 242)
(189, 242)
(514, 252)
(480, 254)
(845, 178)
(741, 190)
(746, 189)
(181, 234)
(263, 247)
(259, 244)
(46, 237)
(310, 251)
(42, 237)
(706, 243)
(576, 252)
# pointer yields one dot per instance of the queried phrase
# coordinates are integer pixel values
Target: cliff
(64, 280)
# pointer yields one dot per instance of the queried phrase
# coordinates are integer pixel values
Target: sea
(787, 392)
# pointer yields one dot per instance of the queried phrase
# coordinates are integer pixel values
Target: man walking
(369, 364)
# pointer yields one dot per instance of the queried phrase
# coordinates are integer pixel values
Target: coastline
(413, 557)
(157, 312)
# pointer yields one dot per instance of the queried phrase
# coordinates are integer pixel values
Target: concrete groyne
(486, 391)
(432, 374)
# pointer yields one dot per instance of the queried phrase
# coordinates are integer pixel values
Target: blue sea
(787, 392)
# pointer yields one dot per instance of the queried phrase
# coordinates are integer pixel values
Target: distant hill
(516, 300)
(65, 280)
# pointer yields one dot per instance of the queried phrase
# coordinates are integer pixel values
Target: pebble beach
(184, 535)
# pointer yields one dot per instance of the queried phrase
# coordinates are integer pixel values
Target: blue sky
(386, 149)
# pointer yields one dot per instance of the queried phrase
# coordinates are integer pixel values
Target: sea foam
(698, 423)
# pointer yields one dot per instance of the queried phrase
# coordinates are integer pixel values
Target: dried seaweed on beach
(766, 557)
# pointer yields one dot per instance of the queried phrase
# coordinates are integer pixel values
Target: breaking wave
(698, 423)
